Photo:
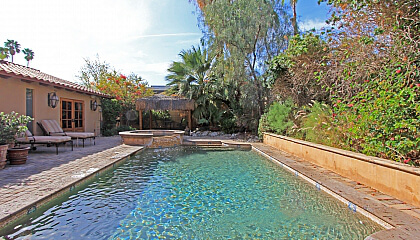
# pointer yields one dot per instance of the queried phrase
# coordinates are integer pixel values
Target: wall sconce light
(52, 99)
(93, 105)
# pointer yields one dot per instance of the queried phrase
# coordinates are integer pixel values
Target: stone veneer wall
(396, 179)
(166, 141)
(137, 141)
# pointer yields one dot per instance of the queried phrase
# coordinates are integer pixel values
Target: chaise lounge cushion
(28, 138)
(80, 134)
(53, 129)
(43, 139)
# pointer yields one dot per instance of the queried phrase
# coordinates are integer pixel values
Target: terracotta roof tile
(32, 74)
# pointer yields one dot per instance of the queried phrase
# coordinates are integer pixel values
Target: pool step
(202, 142)
(213, 143)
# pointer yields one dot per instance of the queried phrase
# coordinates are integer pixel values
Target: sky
(133, 36)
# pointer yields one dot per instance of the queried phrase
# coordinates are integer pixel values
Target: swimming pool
(194, 193)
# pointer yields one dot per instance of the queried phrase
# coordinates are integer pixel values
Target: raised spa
(153, 138)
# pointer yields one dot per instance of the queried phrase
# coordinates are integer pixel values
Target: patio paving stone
(46, 174)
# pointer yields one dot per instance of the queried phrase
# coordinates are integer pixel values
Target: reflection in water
(191, 193)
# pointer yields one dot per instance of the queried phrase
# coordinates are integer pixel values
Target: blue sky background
(140, 36)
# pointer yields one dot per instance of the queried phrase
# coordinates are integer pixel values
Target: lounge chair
(28, 138)
(52, 128)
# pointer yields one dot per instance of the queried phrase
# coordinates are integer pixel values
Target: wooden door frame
(73, 113)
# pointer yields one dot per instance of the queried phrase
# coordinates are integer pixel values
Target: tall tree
(29, 55)
(13, 46)
(99, 75)
(243, 35)
(92, 71)
(294, 19)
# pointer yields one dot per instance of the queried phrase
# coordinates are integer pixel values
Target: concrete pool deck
(46, 175)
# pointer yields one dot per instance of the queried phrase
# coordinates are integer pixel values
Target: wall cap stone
(358, 156)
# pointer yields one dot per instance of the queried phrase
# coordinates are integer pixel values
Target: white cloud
(311, 24)
(188, 42)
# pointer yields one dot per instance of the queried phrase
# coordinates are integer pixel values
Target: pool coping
(88, 167)
(397, 224)
(379, 161)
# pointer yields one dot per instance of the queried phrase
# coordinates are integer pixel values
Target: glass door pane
(78, 115)
(66, 115)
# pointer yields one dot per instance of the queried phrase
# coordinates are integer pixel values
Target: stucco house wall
(13, 98)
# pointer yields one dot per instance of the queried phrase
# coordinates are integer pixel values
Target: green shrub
(279, 116)
(263, 126)
(111, 110)
(109, 132)
(228, 123)
(383, 119)
(317, 125)
(124, 128)
(115, 131)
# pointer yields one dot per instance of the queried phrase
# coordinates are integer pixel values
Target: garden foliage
(11, 124)
(235, 88)
(124, 90)
(279, 116)
(365, 69)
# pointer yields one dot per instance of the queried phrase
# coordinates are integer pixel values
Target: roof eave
(31, 79)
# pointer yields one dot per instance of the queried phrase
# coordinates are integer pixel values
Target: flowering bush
(383, 119)
(10, 125)
(125, 89)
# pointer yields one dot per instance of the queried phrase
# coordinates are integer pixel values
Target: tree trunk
(294, 19)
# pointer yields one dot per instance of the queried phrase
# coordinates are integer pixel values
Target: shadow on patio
(44, 158)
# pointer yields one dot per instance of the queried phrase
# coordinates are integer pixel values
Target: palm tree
(29, 55)
(191, 78)
(189, 75)
(4, 53)
(13, 46)
(294, 19)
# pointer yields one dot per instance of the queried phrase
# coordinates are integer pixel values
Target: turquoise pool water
(193, 193)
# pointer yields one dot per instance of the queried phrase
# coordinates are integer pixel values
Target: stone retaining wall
(396, 179)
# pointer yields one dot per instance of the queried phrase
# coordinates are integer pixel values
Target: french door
(72, 115)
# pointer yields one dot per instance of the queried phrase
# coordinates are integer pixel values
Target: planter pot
(3, 153)
(17, 156)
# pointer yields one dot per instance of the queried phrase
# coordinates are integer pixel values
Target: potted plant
(10, 126)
